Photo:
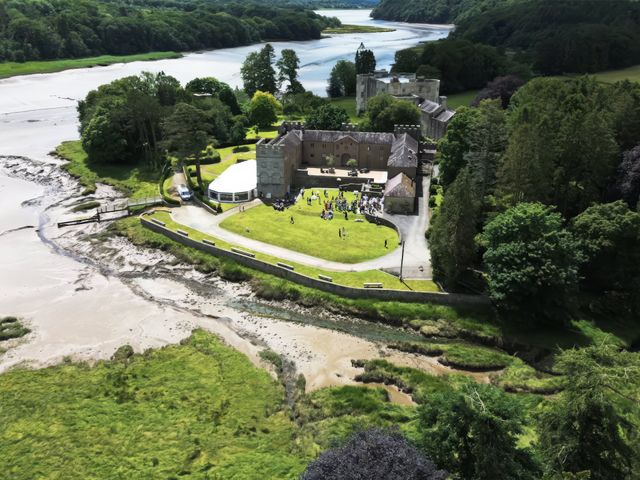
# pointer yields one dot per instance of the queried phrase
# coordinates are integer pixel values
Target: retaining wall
(341, 290)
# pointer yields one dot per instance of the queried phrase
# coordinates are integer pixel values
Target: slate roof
(404, 152)
(400, 186)
(332, 136)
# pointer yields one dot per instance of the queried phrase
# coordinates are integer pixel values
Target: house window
(313, 145)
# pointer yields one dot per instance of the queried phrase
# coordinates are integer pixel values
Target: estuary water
(84, 298)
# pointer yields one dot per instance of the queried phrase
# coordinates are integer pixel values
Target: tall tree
(456, 144)
(264, 109)
(609, 237)
(453, 231)
(384, 112)
(531, 261)
(258, 73)
(288, 65)
(587, 428)
(327, 117)
(187, 133)
(365, 60)
(216, 88)
(474, 433)
(627, 183)
(342, 81)
(374, 455)
(562, 147)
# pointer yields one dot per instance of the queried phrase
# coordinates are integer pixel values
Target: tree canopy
(532, 261)
(71, 29)
(385, 112)
(342, 81)
(327, 117)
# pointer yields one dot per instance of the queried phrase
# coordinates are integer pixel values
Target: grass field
(349, 104)
(463, 99)
(11, 69)
(357, 29)
(184, 410)
(136, 182)
(632, 74)
(350, 279)
(312, 235)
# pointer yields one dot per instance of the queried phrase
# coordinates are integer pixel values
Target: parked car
(364, 170)
(184, 192)
(353, 173)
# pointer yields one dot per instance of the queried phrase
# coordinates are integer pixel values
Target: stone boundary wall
(341, 290)
(384, 222)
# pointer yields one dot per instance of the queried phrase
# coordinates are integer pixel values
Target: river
(82, 298)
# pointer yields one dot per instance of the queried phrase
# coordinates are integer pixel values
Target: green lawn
(350, 279)
(227, 158)
(462, 99)
(136, 182)
(611, 76)
(10, 69)
(312, 235)
(349, 104)
(357, 29)
(196, 410)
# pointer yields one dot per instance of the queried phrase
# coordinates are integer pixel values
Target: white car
(184, 192)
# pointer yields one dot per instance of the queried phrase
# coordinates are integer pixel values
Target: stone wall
(341, 290)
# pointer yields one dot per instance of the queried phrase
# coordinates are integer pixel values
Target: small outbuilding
(400, 195)
(238, 183)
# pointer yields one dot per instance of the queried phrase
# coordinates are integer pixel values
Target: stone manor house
(423, 92)
(288, 159)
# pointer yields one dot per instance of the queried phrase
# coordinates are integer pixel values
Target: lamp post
(402, 260)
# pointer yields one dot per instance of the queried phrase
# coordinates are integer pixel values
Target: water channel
(84, 299)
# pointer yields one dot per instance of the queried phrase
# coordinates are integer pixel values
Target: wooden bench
(372, 285)
(284, 265)
(183, 233)
(158, 222)
(325, 278)
(208, 242)
(242, 252)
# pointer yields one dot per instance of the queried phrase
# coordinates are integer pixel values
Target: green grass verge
(330, 415)
(459, 355)
(228, 158)
(11, 327)
(311, 235)
(351, 279)
(183, 410)
(357, 29)
(11, 69)
(134, 181)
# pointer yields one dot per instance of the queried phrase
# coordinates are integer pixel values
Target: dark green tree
(258, 73)
(609, 237)
(187, 132)
(365, 60)
(453, 231)
(531, 261)
(327, 117)
(587, 428)
(562, 149)
(474, 433)
(216, 88)
(288, 65)
(456, 143)
(342, 81)
(384, 112)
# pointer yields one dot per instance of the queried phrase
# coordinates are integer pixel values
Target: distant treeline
(551, 37)
(433, 11)
(54, 29)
